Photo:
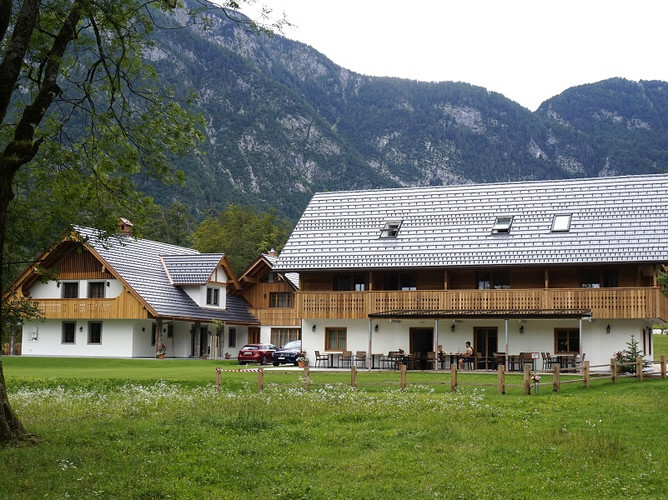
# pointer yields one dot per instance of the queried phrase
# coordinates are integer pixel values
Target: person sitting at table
(466, 357)
(441, 353)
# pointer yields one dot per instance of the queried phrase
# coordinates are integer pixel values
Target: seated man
(466, 357)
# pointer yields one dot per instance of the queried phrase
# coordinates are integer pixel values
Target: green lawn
(158, 429)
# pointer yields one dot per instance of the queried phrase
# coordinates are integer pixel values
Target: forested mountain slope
(283, 121)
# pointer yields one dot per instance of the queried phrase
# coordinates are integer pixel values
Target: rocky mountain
(283, 121)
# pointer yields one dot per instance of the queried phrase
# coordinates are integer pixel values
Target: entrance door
(486, 342)
(204, 341)
(421, 342)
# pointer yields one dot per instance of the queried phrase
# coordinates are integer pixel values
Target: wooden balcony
(612, 303)
(276, 316)
(121, 307)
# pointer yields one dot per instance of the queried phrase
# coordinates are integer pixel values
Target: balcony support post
(369, 355)
(436, 343)
(506, 350)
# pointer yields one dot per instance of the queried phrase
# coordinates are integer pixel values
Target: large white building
(567, 267)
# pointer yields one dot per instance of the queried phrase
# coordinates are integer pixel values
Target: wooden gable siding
(81, 265)
(125, 306)
(257, 294)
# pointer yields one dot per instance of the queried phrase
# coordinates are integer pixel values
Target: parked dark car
(288, 353)
(256, 353)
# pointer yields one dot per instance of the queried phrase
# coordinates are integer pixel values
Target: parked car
(288, 353)
(256, 353)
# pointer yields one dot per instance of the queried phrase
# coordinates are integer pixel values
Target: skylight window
(561, 223)
(502, 224)
(391, 229)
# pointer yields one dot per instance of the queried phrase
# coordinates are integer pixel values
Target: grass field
(158, 429)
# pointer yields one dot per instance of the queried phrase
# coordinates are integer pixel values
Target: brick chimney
(126, 226)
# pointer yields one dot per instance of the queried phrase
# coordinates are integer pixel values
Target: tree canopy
(242, 234)
(81, 116)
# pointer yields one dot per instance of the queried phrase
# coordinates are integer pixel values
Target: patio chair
(548, 361)
(346, 357)
(527, 359)
(360, 357)
(431, 359)
(390, 360)
(321, 358)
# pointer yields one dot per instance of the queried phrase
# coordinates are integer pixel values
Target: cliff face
(283, 121)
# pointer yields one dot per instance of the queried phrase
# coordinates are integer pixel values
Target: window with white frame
(96, 289)
(69, 332)
(391, 229)
(502, 224)
(95, 332)
(561, 223)
(70, 289)
(212, 296)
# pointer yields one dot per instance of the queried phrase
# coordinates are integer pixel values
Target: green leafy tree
(242, 234)
(81, 115)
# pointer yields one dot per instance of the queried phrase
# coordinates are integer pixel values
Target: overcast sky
(528, 50)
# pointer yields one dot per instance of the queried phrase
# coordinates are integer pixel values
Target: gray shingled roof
(139, 262)
(189, 269)
(614, 219)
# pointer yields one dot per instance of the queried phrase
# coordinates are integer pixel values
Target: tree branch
(10, 68)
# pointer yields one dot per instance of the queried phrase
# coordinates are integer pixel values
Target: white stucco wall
(198, 295)
(598, 345)
(116, 341)
(51, 290)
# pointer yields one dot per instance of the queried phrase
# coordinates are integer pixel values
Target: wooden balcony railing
(602, 302)
(276, 316)
(116, 308)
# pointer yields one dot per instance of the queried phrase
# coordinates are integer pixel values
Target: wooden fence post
(307, 378)
(453, 377)
(218, 371)
(502, 379)
(353, 376)
(556, 383)
(663, 366)
(586, 373)
(260, 379)
(527, 380)
(639, 368)
(402, 378)
(613, 370)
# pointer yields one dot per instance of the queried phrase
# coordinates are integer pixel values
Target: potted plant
(302, 359)
(227, 355)
(160, 351)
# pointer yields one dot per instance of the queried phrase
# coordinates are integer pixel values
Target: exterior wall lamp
(521, 329)
(313, 328)
(607, 329)
(375, 328)
(452, 327)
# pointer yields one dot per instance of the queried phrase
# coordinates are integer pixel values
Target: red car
(257, 353)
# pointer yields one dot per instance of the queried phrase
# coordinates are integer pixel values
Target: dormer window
(391, 229)
(502, 225)
(212, 296)
(561, 223)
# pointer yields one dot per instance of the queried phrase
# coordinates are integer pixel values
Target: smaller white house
(120, 296)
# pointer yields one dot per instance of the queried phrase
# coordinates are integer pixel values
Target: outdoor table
(566, 360)
(375, 360)
(331, 355)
